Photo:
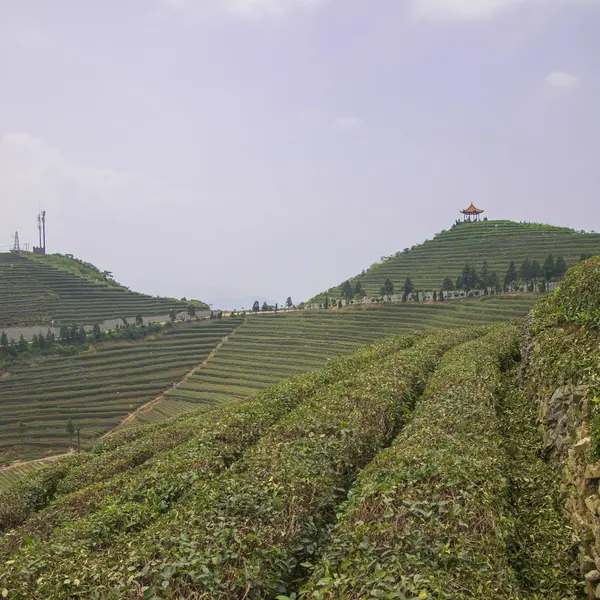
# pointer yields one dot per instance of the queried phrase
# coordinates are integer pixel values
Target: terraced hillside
(323, 486)
(97, 389)
(271, 347)
(40, 289)
(497, 242)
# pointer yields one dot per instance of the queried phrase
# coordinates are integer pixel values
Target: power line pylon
(17, 246)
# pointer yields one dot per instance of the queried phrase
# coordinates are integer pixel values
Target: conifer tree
(409, 288)
(525, 271)
(560, 267)
(447, 286)
(548, 269)
(511, 274)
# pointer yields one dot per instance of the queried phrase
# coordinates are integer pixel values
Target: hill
(497, 242)
(36, 290)
(412, 468)
(99, 387)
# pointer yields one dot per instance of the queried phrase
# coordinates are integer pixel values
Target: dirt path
(149, 405)
(20, 463)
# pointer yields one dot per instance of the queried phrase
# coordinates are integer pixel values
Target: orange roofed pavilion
(472, 213)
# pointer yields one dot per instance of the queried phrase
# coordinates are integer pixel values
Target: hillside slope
(497, 242)
(98, 388)
(321, 487)
(41, 289)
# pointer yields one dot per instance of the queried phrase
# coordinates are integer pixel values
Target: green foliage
(425, 519)
(497, 242)
(41, 289)
(91, 510)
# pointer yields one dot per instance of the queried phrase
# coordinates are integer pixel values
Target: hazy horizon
(218, 149)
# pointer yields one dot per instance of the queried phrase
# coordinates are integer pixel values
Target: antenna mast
(41, 219)
(44, 229)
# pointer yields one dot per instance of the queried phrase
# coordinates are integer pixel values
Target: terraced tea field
(96, 389)
(271, 347)
(498, 242)
(35, 291)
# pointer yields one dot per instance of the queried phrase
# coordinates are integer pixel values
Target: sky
(231, 149)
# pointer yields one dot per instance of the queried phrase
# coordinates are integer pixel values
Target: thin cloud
(345, 123)
(560, 79)
(472, 10)
(249, 8)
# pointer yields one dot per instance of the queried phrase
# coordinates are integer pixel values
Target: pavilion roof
(472, 210)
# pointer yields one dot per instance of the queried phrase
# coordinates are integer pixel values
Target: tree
(536, 271)
(288, 302)
(4, 342)
(447, 286)
(485, 276)
(255, 306)
(434, 296)
(49, 338)
(139, 320)
(96, 333)
(460, 284)
(70, 430)
(276, 307)
(469, 277)
(23, 345)
(416, 297)
(494, 281)
(387, 289)
(548, 268)
(408, 288)
(22, 428)
(511, 274)
(441, 296)
(81, 336)
(264, 307)
(347, 291)
(560, 267)
(35, 342)
(326, 303)
(339, 304)
(191, 310)
(525, 271)
(172, 316)
(65, 334)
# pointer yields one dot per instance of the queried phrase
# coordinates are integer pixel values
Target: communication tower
(17, 246)
(41, 219)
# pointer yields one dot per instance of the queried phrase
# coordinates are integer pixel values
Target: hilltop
(497, 242)
(455, 463)
(35, 290)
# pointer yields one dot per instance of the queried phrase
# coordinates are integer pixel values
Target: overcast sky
(237, 148)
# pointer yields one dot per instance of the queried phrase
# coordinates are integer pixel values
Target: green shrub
(426, 517)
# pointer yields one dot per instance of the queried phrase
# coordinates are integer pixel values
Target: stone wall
(564, 418)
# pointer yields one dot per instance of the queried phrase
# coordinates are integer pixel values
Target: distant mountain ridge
(497, 242)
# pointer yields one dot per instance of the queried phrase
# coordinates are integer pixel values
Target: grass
(498, 242)
(426, 518)
(96, 389)
(272, 347)
(40, 289)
